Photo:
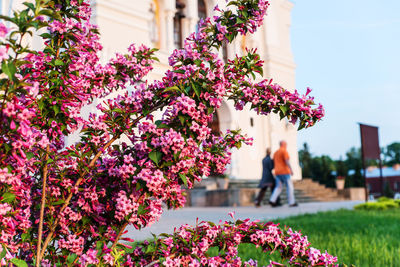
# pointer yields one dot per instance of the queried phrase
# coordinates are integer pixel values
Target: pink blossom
(3, 30)
(3, 53)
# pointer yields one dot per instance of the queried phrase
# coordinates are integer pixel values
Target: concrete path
(174, 218)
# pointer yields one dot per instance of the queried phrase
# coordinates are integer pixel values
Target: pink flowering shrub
(189, 246)
(70, 204)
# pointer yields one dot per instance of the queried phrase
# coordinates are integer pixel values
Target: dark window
(225, 51)
(153, 25)
(179, 15)
(251, 122)
(397, 186)
(214, 125)
(201, 9)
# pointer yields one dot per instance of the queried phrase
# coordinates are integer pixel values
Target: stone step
(305, 190)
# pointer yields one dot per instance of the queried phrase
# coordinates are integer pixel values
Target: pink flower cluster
(127, 165)
(72, 243)
(188, 246)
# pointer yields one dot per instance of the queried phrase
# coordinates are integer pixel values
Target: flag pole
(363, 165)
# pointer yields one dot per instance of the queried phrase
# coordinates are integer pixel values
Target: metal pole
(381, 176)
(364, 169)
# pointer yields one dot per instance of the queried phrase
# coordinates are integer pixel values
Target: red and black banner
(370, 150)
(370, 142)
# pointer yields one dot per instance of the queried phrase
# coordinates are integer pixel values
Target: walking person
(283, 171)
(267, 178)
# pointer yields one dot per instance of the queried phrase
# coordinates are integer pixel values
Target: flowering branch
(80, 179)
(43, 204)
(84, 195)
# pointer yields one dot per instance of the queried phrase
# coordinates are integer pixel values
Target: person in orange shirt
(283, 171)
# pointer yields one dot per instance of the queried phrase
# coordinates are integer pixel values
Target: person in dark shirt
(267, 179)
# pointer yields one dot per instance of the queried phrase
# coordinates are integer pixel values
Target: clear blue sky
(348, 52)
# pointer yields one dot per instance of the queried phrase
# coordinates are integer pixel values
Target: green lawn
(362, 238)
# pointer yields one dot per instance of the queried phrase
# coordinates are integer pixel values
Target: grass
(359, 237)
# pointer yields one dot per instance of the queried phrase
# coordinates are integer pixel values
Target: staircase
(316, 191)
(305, 190)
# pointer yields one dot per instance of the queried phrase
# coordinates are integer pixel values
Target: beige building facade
(165, 23)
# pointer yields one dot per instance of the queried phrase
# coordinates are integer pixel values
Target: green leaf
(29, 155)
(173, 88)
(8, 197)
(283, 109)
(150, 249)
(301, 126)
(230, 37)
(8, 148)
(24, 237)
(259, 70)
(19, 263)
(30, 5)
(58, 62)
(99, 245)
(141, 210)
(7, 18)
(41, 105)
(8, 68)
(195, 88)
(59, 202)
(161, 125)
(183, 178)
(180, 71)
(56, 109)
(188, 89)
(47, 12)
(71, 258)
(176, 155)
(3, 252)
(46, 35)
(140, 184)
(240, 20)
(155, 156)
(182, 119)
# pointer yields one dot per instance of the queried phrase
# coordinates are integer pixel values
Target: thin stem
(42, 205)
(119, 235)
(4, 98)
(152, 263)
(67, 201)
(157, 261)
(80, 179)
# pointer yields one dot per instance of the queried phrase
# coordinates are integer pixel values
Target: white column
(191, 16)
(170, 11)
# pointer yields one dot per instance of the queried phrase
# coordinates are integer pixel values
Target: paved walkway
(174, 218)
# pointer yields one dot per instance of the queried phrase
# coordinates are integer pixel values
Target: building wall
(375, 184)
(150, 22)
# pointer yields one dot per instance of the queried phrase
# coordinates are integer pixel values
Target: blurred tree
(318, 168)
(322, 168)
(354, 162)
(341, 167)
(305, 159)
(392, 154)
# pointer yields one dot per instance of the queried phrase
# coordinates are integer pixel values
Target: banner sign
(370, 142)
